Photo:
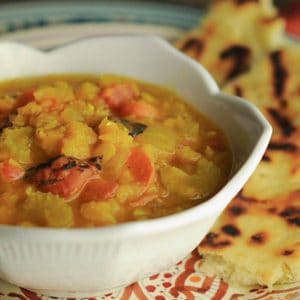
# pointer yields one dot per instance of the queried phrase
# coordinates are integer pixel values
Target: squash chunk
(78, 140)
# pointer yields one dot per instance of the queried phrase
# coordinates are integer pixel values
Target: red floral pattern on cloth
(184, 281)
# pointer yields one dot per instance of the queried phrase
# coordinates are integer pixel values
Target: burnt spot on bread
(211, 236)
(244, 198)
(280, 76)
(294, 221)
(283, 103)
(259, 238)
(287, 252)
(266, 158)
(292, 215)
(286, 126)
(241, 59)
(222, 244)
(231, 230)
(278, 146)
(217, 245)
(211, 240)
(237, 90)
(290, 211)
(237, 210)
(194, 45)
(272, 210)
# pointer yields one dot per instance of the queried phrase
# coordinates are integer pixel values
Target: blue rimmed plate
(48, 24)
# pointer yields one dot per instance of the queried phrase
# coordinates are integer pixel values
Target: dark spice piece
(134, 128)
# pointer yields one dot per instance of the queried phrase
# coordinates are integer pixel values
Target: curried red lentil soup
(87, 150)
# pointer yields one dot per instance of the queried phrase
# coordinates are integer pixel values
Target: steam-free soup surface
(84, 151)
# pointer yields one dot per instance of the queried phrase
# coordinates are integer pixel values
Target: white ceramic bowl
(77, 262)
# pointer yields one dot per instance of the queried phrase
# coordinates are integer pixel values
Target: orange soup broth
(91, 150)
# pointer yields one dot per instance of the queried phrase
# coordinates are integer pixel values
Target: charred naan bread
(257, 238)
(234, 35)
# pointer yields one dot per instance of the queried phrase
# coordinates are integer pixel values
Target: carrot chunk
(141, 167)
(11, 170)
(117, 94)
(99, 189)
(121, 98)
(138, 109)
(26, 97)
(64, 176)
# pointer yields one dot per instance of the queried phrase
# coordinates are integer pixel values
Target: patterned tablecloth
(184, 281)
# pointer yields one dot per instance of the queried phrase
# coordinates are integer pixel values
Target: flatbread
(257, 238)
(233, 36)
